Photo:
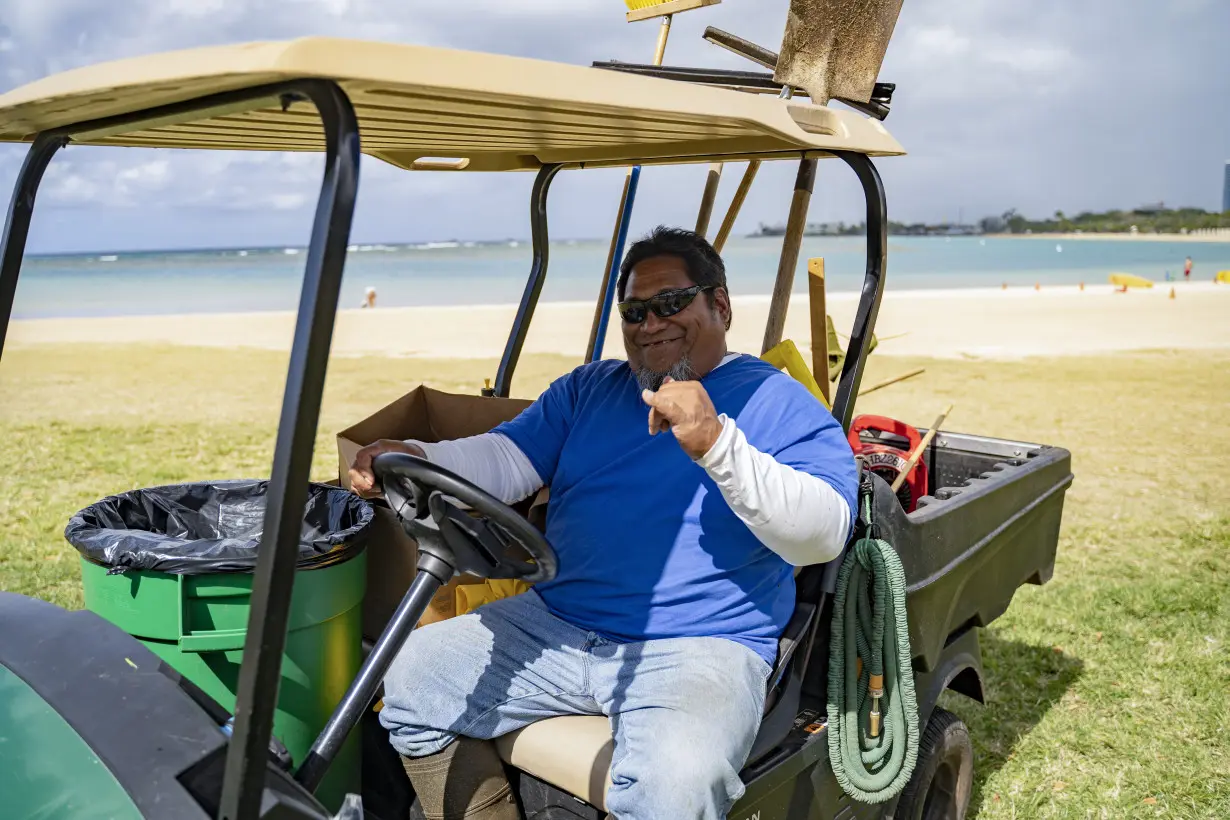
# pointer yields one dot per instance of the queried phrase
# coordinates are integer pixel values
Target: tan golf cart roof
(489, 112)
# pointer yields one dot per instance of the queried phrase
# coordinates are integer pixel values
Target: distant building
(1225, 190)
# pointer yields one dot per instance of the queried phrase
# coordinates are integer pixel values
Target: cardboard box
(427, 415)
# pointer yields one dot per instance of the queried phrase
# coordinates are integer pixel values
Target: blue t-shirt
(647, 546)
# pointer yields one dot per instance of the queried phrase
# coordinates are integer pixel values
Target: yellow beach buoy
(1223, 277)
(1130, 280)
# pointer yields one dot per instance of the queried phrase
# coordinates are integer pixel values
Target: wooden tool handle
(918, 451)
(900, 378)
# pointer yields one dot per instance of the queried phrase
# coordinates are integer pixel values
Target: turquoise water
(252, 280)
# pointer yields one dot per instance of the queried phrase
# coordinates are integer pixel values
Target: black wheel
(944, 774)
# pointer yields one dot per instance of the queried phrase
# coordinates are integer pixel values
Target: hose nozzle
(876, 690)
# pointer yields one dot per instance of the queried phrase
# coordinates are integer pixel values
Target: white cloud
(936, 42)
(335, 7)
(63, 186)
(942, 47)
(196, 8)
(1035, 59)
(287, 202)
(148, 174)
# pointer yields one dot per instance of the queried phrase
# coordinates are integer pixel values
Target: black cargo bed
(989, 525)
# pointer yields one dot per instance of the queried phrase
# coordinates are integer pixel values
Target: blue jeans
(684, 711)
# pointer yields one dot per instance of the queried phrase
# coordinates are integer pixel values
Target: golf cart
(106, 728)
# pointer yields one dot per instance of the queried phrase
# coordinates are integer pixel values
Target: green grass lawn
(1108, 688)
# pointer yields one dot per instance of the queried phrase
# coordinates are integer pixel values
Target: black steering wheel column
(459, 528)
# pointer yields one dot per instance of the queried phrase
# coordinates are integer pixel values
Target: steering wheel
(425, 495)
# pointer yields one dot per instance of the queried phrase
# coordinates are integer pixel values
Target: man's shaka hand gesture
(685, 409)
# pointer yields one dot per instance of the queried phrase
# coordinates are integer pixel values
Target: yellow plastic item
(470, 597)
(1129, 280)
(785, 356)
(641, 9)
(1223, 276)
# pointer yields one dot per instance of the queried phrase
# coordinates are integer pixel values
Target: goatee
(680, 371)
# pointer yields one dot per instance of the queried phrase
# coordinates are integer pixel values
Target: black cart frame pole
(259, 677)
(17, 223)
(873, 286)
(533, 287)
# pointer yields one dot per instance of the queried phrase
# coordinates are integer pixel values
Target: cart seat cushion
(572, 753)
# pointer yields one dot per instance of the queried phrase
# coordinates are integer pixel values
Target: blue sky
(1039, 105)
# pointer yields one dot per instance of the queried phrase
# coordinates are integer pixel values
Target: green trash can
(197, 622)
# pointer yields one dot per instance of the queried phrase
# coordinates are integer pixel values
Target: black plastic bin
(212, 527)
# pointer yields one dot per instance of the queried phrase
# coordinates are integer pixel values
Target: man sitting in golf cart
(685, 483)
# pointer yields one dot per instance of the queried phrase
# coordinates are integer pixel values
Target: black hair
(704, 266)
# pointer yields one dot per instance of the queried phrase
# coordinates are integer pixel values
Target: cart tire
(943, 777)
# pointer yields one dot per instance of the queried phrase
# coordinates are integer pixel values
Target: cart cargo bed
(991, 525)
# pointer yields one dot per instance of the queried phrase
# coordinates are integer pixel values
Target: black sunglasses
(667, 303)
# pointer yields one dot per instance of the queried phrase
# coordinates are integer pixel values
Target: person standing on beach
(1187, 269)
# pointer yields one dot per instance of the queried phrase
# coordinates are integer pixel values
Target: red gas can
(886, 455)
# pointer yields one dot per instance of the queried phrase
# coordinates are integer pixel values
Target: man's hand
(362, 479)
(685, 409)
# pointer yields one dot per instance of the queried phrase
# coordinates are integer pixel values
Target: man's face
(694, 338)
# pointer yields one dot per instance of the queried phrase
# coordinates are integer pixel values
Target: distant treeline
(1141, 220)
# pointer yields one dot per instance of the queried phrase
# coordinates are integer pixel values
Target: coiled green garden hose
(870, 644)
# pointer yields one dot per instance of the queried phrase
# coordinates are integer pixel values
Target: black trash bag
(212, 527)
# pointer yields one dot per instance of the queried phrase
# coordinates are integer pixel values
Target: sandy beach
(977, 323)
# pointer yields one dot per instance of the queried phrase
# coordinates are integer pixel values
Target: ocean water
(213, 281)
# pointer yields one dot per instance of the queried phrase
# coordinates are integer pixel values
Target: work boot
(465, 781)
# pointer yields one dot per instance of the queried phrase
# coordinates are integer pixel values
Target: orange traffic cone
(1005, 285)
(1037, 286)
(1082, 287)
